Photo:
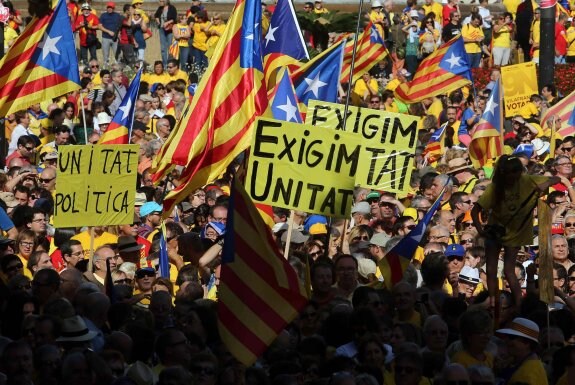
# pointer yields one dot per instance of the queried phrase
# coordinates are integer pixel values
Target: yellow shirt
(320, 11)
(393, 84)
(392, 108)
(471, 32)
(361, 88)
(27, 273)
(415, 320)
(511, 6)
(531, 372)
(182, 30)
(377, 18)
(464, 358)
(213, 39)
(200, 38)
(535, 35)
(435, 109)
(97, 80)
(502, 38)
(84, 238)
(9, 36)
(571, 41)
(153, 78)
(437, 9)
(179, 75)
(529, 110)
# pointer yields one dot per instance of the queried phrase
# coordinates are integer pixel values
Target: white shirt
(18, 131)
(485, 16)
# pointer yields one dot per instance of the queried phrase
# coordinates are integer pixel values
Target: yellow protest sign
(389, 138)
(307, 168)
(519, 83)
(95, 185)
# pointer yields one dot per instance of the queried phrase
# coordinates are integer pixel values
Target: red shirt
(447, 9)
(92, 21)
(560, 40)
(16, 154)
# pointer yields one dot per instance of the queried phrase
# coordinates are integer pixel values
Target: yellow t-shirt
(415, 319)
(437, 9)
(179, 75)
(213, 39)
(511, 6)
(320, 11)
(471, 32)
(530, 372)
(10, 35)
(152, 78)
(464, 358)
(535, 35)
(183, 29)
(516, 210)
(27, 273)
(571, 39)
(376, 18)
(200, 38)
(393, 84)
(529, 110)
(436, 108)
(502, 38)
(84, 238)
(361, 88)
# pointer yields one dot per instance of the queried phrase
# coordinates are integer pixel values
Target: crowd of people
(89, 306)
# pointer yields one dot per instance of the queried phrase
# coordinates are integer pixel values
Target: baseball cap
(455, 250)
(361, 207)
(110, 4)
(150, 207)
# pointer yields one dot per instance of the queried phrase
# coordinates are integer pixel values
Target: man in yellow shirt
(158, 76)
(473, 37)
(535, 35)
(174, 71)
(436, 8)
(532, 109)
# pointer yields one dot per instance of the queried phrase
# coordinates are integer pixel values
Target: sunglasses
(30, 148)
(125, 281)
(386, 204)
(42, 180)
(145, 273)
(458, 257)
(571, 279)
(467, 224)
(316, 254)
(569, 224)
(466, 241)
(372, 200)
(361, 238)
(567, 149)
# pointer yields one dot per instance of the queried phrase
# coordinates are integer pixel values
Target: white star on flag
(251, 35)
(289, 109)
(454, 61)
(313, 85)
(270, 35)
(491, 106)
(48, 45)
(126, 109)
(374, 33)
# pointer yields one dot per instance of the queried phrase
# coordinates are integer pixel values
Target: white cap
(103, 118)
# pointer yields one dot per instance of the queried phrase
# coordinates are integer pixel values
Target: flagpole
(84, 118)
(352, 66)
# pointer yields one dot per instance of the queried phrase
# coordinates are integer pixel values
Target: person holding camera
(111, 22)
(509, 200)
(86, 25)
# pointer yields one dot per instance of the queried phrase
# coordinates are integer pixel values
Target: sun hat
(379, 239)
(376, 4)
(457, 164)
(86, 6)
(540, 147)
(74, 329)
(103, 118)
(522, 327)
(140, 199)
(296, 236)
(365, 267)
(149, 208)
(469, 274)
(127, 243)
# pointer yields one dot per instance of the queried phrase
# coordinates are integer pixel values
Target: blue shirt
(467, 114)
(5, 221)
(111, 21)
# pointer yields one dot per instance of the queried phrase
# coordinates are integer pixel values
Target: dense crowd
(77, 310)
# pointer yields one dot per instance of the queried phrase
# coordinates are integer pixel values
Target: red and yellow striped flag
(218, 123)
(41, 64)
(259, 293)
(443, 71)
(370, 51)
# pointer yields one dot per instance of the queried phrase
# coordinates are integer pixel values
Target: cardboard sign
(95, 185)
(519, 83)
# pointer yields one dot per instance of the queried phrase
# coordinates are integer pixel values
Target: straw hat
(457, 164)
(74, 329)
(522, 327)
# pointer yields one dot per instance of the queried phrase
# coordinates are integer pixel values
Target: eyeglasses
(360, 238)
(386, 204)
(203, 370)
(564, 164)
(125, 281)
(571, 279)
(567, 149)
(29, 148)
(467, 224)
(466, 241)
(569, 224)
(374, 101)
(316, 254)
(371, 200)
(26, 244)
(467, 202)
(458, 257)
(95, 66)
(42, 180)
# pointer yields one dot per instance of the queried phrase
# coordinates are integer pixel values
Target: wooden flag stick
(289, 231)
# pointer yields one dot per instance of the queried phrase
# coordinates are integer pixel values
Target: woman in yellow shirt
(475, 326)
(429, 36)
(502, 34)
(365, 87)
(570, 58)
(215, 31)
(199, 42)
(473, 37)
(182, 33)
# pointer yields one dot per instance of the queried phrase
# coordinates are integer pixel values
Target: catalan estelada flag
(398, 258)
(120, 128)
(487, 135)
(259, 292)
(433, 149)
(370, 51)
(41, 64)
(231, 94)
(319, 78)
(443, 71)
(283, 44)
(563, 110)
(283, 101)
